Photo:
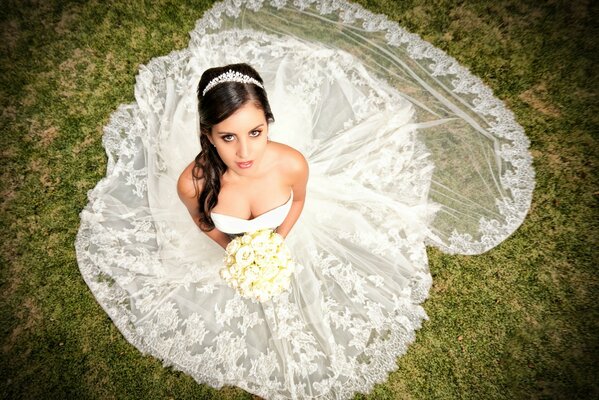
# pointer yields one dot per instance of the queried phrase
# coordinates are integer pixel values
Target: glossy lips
(244, 165)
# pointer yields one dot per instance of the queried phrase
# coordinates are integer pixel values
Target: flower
(244, 256)
(233, 246)
(258, 265)
(260, 240)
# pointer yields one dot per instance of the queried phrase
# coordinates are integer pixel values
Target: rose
(233, 246)
(260, 240)
(244, 256)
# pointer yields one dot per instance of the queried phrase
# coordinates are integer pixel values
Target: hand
(276, 230)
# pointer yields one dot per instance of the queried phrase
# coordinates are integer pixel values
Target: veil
(483, 177)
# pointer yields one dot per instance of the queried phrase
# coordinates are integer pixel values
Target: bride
(239, 171)
(404, 146)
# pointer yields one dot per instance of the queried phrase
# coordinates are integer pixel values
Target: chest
(250, 200)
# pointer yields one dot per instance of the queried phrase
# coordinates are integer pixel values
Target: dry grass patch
(87, 141)
(538, 98)
(68, 19)
(29, 317)
(10, 34)
(10, 113)
(47, 136)
(73, 70)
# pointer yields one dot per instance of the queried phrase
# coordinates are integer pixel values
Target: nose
(242, 149)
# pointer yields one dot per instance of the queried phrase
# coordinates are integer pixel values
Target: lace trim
(393, 332)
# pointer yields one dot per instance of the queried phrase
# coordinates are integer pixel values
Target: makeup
(245, 165)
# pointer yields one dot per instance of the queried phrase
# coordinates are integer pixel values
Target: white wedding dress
(405, 148)
(235, 226)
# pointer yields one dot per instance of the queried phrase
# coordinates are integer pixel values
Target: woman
(240, 175)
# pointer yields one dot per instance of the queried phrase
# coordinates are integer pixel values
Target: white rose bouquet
(258, 265)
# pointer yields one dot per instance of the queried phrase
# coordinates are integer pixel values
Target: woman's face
(241, 139)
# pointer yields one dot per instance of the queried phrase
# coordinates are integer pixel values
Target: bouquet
(258, 265)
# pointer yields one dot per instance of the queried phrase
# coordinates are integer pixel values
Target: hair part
(218, 104)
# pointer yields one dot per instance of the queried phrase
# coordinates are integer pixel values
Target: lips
(244, 165)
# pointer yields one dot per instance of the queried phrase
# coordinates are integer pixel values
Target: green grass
(520, 321)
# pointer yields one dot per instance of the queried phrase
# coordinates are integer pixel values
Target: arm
(296, 168)
(189, 196)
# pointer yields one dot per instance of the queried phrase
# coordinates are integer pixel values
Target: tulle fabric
(483, 176)
(398, 158)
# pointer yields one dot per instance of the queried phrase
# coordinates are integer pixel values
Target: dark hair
(219, 103)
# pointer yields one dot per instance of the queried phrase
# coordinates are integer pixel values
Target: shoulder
(290, 160)
(187, 185)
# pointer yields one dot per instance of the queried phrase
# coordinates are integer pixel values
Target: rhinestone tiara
(231, 76)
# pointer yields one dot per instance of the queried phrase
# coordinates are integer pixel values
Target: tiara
(231, 76)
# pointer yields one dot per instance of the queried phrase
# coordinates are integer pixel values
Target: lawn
(518, 322)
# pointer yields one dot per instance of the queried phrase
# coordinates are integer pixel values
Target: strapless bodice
(270, 219)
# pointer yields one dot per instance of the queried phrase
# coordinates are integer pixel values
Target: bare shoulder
(187, 186)
(291, 161)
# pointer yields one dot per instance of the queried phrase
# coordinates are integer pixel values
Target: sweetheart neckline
(259, 216)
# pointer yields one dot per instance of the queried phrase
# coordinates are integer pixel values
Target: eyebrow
(230, 133)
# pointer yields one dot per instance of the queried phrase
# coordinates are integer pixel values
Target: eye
(228, 138)
(255, 133)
